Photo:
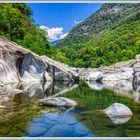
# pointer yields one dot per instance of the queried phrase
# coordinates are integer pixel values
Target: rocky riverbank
(18, 64)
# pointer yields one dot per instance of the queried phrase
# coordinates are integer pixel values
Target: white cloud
(77, 22)
(54, 33)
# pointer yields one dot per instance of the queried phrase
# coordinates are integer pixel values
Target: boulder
(57, 101)
(118, 109)
(95, 76)
(118, 113)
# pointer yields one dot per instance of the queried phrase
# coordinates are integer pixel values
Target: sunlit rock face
(18, 64)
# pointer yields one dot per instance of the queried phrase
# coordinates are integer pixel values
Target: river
(22, 116)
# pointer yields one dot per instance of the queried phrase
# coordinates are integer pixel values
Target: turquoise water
(24, 118)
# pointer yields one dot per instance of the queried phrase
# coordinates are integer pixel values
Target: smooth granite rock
(118, 113)
(57, 101)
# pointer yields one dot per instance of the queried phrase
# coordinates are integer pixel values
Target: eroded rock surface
(20, 64)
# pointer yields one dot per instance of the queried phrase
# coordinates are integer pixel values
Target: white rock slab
(57, 101)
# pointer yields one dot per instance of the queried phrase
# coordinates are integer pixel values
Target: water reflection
(28, 91)
(23, 117)
(62, 124)
(122, 88)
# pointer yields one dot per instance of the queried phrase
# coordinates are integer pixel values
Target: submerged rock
(118, 113)
(57, 101)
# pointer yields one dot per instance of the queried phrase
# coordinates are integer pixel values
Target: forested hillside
(17, 25)
(110, 35)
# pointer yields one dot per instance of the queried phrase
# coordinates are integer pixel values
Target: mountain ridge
(108, 36)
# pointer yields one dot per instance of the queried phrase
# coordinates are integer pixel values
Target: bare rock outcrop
(18, 64)
(60, 71)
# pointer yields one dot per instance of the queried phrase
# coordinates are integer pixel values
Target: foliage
(105, 37)
(17, 25)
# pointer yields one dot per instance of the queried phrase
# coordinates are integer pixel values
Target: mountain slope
(110, 35)
(106, 17)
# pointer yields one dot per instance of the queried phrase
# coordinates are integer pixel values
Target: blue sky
(59, 18)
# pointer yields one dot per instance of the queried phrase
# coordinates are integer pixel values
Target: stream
(23, 117)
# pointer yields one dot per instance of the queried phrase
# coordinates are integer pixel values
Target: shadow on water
(23, 116)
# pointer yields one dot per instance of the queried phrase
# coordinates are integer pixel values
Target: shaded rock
(60, 71)
(118, 113)
(57, 101)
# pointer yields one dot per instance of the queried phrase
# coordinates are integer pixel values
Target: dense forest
(110, 35)
(17, 25)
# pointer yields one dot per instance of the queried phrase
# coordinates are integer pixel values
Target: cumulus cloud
(54, 33)
(77, 22)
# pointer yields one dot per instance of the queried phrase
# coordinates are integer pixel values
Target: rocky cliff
(19, 64)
